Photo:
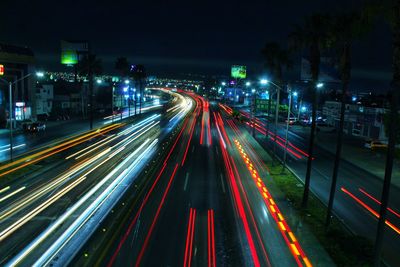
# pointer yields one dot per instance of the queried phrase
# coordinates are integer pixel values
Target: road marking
(222, 182)
(11, 194)
(192, 148)
(186, 181)
(4, 189)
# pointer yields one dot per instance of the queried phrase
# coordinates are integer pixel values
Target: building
(18, 62)
(44, 99)
(359, 120)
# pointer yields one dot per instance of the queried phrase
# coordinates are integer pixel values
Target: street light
(264, 81)
(320, 85)
(11, 106)
(223, 83)
(287, 129)
(40, 74)
(295, 94)
(126, 81)
(248, 84)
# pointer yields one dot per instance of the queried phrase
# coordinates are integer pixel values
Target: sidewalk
(353, 151)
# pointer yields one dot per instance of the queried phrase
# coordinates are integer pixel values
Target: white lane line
(222, 182)
(186, 181)
(11, 194)
(4, 189)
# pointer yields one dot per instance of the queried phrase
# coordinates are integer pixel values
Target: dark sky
(190, 36)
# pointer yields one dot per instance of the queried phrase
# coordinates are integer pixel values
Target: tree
(138, 73)
(90, 62)
(344, 29)
(390, 11)
(313, 35)
(122, 66)
(275, 59)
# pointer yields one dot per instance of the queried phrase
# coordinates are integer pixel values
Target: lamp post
(278, 89)
(10, 84)
(287, 129)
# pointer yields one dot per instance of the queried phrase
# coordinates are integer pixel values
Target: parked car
(374, 144)
(36, 127)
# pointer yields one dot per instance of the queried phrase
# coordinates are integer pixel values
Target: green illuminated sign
(69, 57)
(238, 72)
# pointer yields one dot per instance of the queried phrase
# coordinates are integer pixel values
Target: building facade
(359, 120)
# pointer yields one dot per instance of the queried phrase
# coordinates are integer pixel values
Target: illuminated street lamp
(320, 85)
(223, 83)
(126, 81)
(39, 75)
(264, 81)
(248, 84)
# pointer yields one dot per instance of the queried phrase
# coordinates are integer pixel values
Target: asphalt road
(357, 194)
(162, 231)
(24, 142)
(34, 199)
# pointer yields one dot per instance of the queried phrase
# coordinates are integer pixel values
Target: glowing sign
(1, 70)
(238, 72)
(69, 57)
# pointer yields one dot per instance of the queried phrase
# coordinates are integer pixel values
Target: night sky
(205, 37)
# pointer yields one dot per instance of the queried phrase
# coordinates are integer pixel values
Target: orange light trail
(371, 210)
(284, 228)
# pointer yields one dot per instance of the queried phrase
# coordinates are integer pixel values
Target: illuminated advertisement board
(238, 72)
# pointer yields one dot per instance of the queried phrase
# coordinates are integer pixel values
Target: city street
(357, 189)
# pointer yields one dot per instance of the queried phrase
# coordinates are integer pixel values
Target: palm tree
(122, 66)
(275, 59)
(390, 10)
(344, 29)
(89, 66)
(90, 63)
(138, 73)
(313, 35)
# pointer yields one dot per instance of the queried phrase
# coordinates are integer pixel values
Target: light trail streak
(24, 219)
(48, 187)
(274, 210)
(14, 147)
(29, 160)
(35, 243)
(371, 210)
(95, 205)
(12, 193)
(146, 241)
(377, 201)
(189, 238)
(211, 239)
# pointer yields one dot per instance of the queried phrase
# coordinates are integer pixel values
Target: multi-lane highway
(206, 204)
(358, 191)
(24, 142)
(53, 198)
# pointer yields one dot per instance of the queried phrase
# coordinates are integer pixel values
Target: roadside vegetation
(345, 248)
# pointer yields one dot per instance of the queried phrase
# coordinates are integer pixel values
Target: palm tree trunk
(314, 62)
(339, 144)
(310, 148)
(395, 87)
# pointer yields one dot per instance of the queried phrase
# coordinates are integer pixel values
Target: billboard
(70, 51)
(69, 57)
(328, 70)
(238, 72)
